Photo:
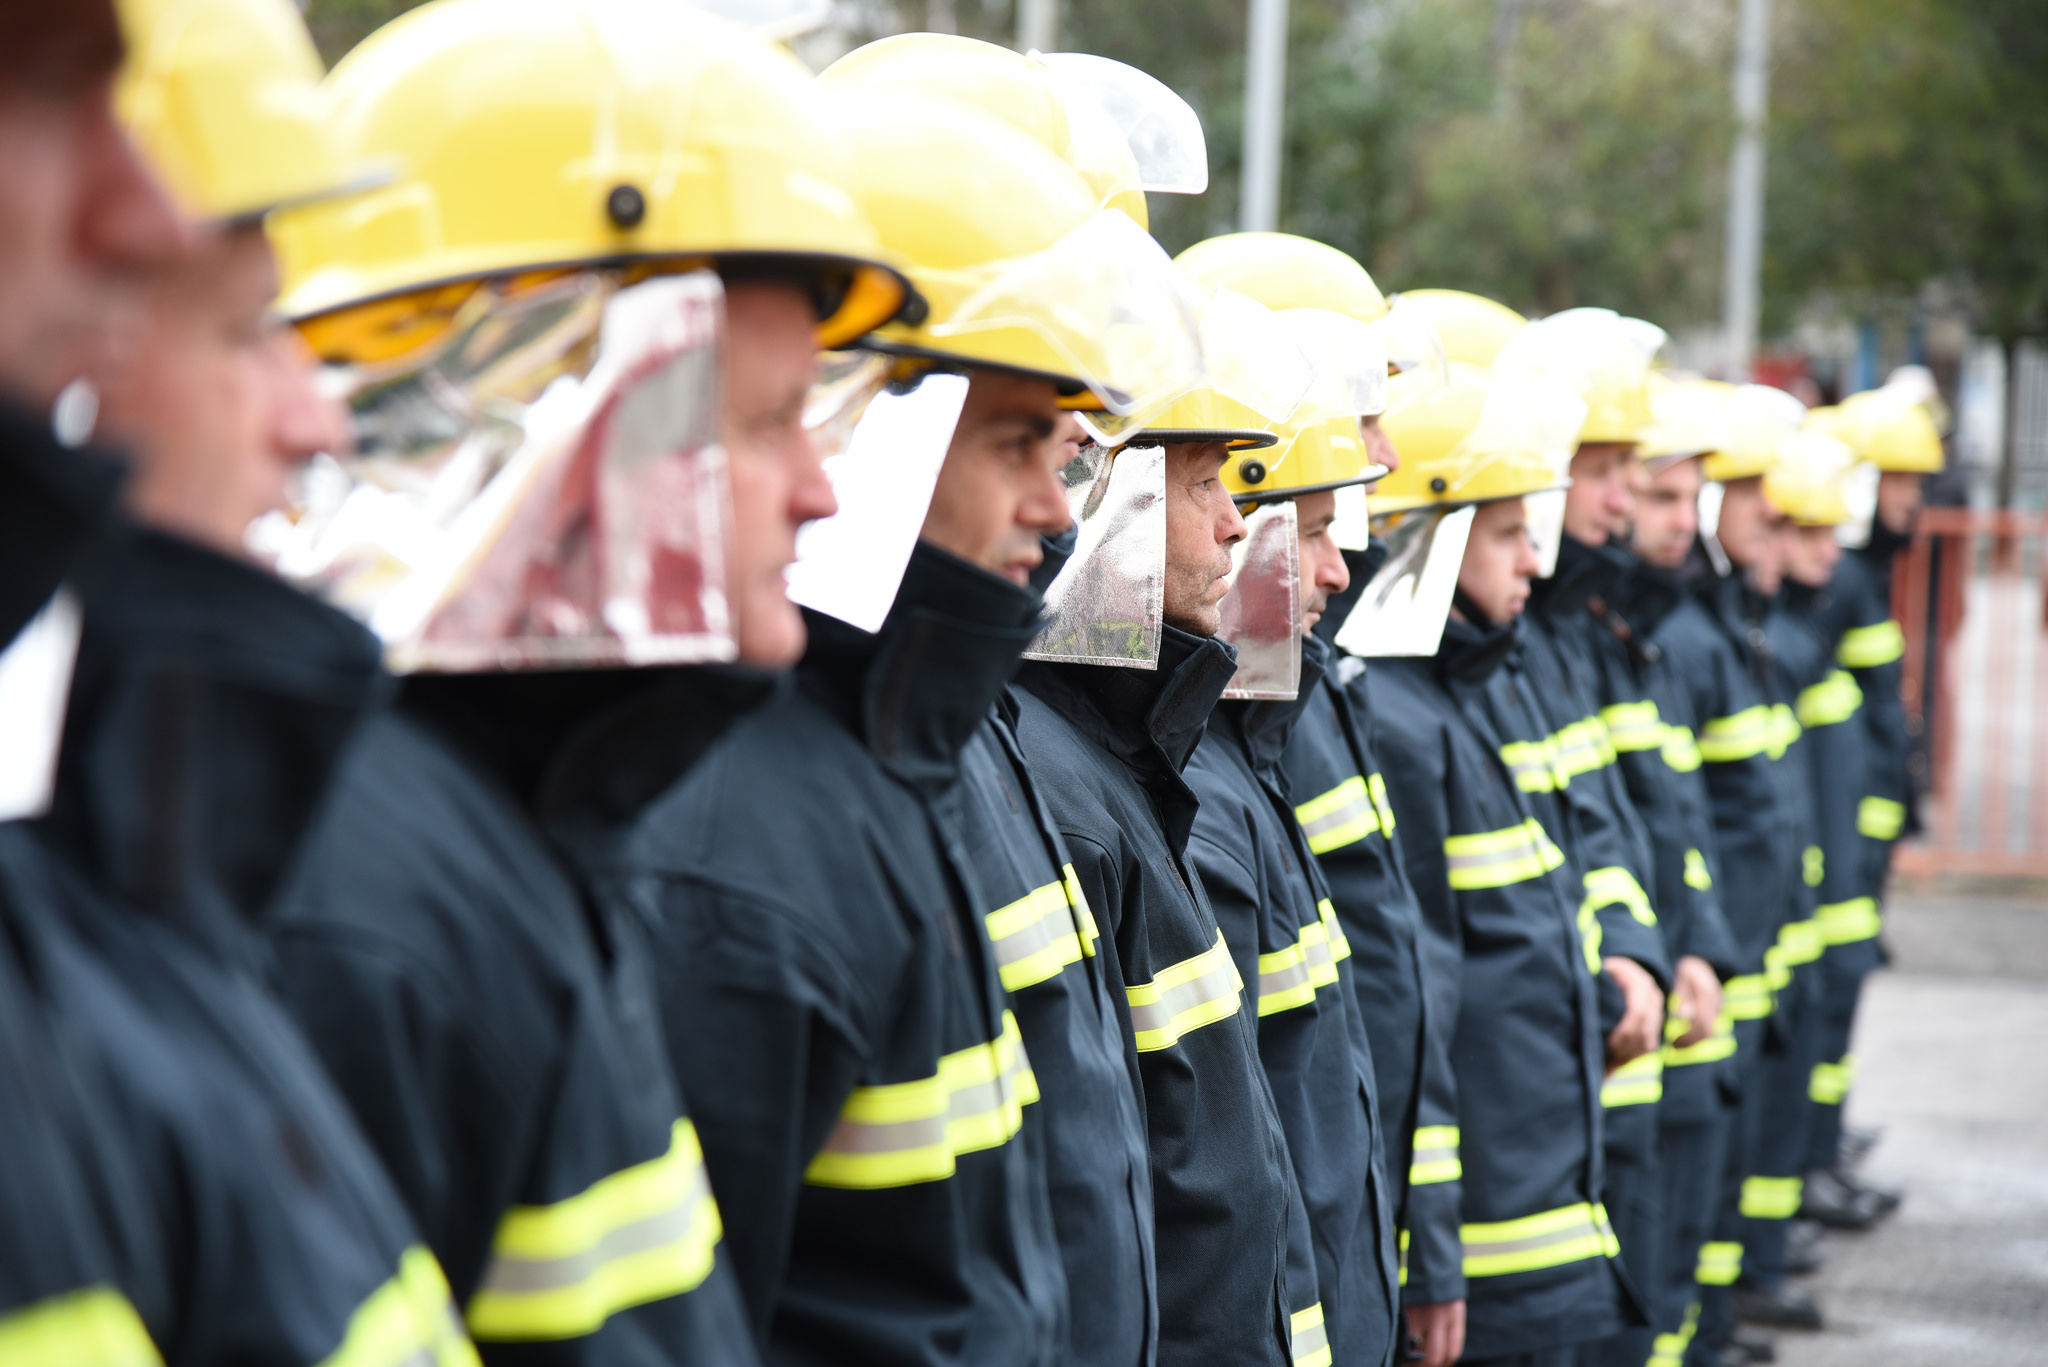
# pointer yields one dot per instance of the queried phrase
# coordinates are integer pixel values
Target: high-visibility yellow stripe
(1720, 1264)
(1880, 818)
(1744, 735)
(1719, 1043)
(1785, 730)
(1747, 998)
(1813, 866)
(91, 1327)
(1401, 1256)
(1771, 1198)
(1580, 748)
(1633, 726)
(1639, 1082)
(1496, 859)
(1377, 785)
(1871, 646)
(1831, 701)
(1590, 935)
(1614, 885)
(1830, 1082)
(1340, 947)
(1035, 936)
(1084, 918)
(901, 1133)
(1696, 875)
(1566, 1235)
(1291, 977)
(559, 1271)
(1668, 1350)
(1681, 751)
(1185, 997)
(1343, 816)
(1533, 764)
(407, 1322)
(1847, 923)
(1308, 1339)
(1434, 1157)
(1800, 942)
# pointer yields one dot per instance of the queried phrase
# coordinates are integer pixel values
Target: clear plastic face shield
(1107, 306)
(1413, 349)
(776, 20)
(1254, 359)
(1350, 360)
(883, 473)
(1162, 130)
(1107, 605)
(1403, 609)
(1262, 607)
(540, 486)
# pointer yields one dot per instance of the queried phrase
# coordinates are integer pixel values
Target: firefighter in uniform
(206, 708)
(1894, 430)
(1713, 641)
(1118, 695)
(834, 1002)
(1067, 998)
(482, 989)
(1501, 905)
(1270, 899)
(1341, 804)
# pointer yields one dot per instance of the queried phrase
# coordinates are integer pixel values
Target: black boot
(1832, 1202)
(1802, 1247)
(1760, 1345)
(1855, 1146)
(1886, 1198)
(1782, 1306)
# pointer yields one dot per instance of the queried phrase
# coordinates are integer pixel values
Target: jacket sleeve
(765, 1041)
(1872, 650)
(1432, 1254)
(438, 1092)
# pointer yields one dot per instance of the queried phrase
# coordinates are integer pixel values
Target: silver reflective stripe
(514, 1275)
(1311, 1340)
(1220, 981)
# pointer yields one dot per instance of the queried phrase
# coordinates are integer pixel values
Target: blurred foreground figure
(557, 396)
(78, 216)
(205, 706)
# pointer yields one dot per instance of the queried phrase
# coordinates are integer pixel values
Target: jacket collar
(209, 706)
(1584, 575)
(1151, 718)
(1471, 650)
(916, 690)
(585, 751)
(1362, 565)
(1263, 726)
(52, 501)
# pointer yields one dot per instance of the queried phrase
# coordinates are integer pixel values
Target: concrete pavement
(1952, 1065)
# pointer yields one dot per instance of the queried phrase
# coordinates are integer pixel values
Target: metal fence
(1969, 593)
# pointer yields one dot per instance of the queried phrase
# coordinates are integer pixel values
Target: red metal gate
(1969, 593)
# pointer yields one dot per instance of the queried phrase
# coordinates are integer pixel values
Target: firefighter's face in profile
(1600, 501)
(1898, 500)
(1500, 560)
(212, 395)
(1324, 574)
(778, 478)
(1811, 554)
(79, 216)
(1202, 524)
(1000, 490)
(1667, 515)
(1745, 529)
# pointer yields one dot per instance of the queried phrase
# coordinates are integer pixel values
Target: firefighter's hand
(1699, 996)
(1442, 1331)
(1642, 1024)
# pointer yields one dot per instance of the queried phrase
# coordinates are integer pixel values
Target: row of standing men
(572, 996)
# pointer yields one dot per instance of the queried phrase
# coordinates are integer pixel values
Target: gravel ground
(1949, 1047)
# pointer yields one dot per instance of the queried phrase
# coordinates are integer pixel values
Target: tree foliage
(1558, 152)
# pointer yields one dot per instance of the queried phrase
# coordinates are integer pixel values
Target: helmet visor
(1107, 604)
(542, 488)
(1262, 608)
(1105, 303)
(1163, 130)
(1402, 610)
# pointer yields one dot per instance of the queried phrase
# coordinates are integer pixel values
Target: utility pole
(1265, 110)
(1743, 288)
(1038, 25)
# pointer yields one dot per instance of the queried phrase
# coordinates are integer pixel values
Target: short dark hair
(57, 46)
